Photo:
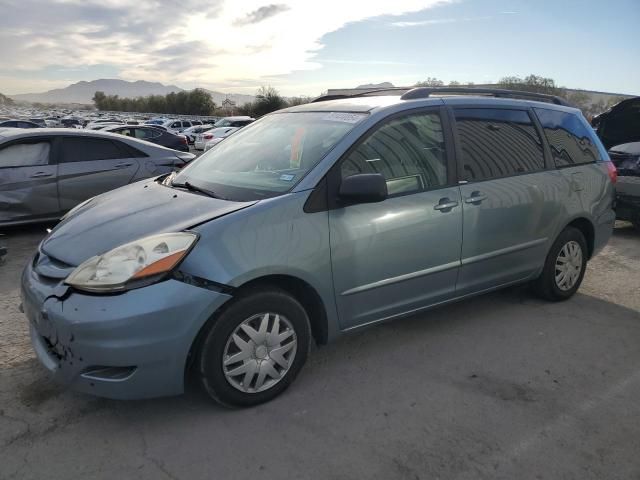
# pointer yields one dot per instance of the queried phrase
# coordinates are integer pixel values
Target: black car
(18, 124)
(151, 134)
(619, 130)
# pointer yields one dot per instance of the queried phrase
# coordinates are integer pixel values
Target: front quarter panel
(274, 237)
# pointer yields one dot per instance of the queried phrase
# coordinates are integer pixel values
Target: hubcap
(568, 265)
(259, 352)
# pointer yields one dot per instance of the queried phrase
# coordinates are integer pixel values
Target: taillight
(208, 136)
(183, 140)
(613, 172)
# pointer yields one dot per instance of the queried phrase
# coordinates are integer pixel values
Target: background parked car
(46, 172)
(18, 124)
(218, 134)
(619, 130)
(177, 126)
(227, 123)
(39, 121)
(237, 121)
(192, 132)
(151, 134)
(71, 123)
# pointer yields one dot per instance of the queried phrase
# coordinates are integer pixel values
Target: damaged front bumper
(130, 345)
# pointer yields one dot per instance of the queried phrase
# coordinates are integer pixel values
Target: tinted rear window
(89, 149)
(497, 143)
(571, 141)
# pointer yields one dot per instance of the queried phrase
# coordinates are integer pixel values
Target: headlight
(132, 265)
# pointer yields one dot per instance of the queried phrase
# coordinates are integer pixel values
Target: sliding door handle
(475, 198)
(41, 175)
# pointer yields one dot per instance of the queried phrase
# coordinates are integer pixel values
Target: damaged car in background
(619, 130)
(46, 172)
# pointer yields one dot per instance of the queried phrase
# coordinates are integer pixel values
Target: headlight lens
(133, 264)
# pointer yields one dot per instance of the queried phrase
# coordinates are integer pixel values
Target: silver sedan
(46, 172)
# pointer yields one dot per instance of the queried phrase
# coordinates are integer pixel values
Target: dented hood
(127, 214)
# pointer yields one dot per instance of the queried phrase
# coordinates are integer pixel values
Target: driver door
(402, 254)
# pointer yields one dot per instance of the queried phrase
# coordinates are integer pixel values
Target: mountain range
(82, 92)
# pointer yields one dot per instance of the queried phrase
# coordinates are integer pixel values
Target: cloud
(191, 42)
(438, 21)
(261, 14)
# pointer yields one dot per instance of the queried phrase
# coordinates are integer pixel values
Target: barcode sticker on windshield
(344, 117)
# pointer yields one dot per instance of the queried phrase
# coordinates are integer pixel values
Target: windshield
(268, 157)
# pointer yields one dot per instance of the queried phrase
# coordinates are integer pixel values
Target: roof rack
(426, 92)
(376, 91)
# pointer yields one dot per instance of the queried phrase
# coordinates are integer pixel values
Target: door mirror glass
(363, 188)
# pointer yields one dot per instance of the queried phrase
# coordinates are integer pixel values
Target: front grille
(112, 374)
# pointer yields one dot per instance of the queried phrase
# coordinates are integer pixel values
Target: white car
(204, 138)
(192, 132)
(177, 126)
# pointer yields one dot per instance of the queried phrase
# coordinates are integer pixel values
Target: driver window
(408, 151)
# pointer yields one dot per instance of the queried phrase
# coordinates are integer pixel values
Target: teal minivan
(315, 221)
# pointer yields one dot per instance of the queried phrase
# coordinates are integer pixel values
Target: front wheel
(255, 348)
(564, 267)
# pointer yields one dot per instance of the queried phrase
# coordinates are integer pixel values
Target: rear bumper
(628, 199)
(125, 346)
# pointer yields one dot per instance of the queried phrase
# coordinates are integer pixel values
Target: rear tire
(255, 348)
(564, 267)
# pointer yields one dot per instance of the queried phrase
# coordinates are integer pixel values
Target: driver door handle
(123, 164)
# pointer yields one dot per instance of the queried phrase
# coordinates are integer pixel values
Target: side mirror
(364, 188)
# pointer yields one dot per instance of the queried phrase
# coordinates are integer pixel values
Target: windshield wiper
(192, 188)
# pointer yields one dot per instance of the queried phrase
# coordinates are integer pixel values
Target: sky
(304, 47)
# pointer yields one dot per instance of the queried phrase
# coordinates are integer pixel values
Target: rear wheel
(564, 267)
(255, 348)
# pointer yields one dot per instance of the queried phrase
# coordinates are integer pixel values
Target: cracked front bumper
(130, 345)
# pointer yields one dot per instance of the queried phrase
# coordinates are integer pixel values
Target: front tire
(255, 348)
(564, 267)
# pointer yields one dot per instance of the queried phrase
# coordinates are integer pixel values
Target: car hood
(127, 214)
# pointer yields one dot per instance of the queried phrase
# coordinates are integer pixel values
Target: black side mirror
(363, 188)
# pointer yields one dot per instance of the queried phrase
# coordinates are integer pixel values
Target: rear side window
(146, 133)
(408, 151)
(569, 138)
(25, 154)
(89, 149)
(497, 143)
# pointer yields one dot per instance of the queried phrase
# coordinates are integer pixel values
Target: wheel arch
(587, 228)
(301, 290)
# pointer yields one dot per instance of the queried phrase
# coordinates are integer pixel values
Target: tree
(195, 102)
(430, 82)
(293, 101)
(454, 83)
(267, 100)
(4, 100)
(531, 83)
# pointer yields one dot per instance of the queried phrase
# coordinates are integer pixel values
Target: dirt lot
(501, 386)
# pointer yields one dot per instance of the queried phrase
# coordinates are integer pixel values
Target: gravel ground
(503, 386)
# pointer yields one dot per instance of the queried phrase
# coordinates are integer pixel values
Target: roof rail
(426, 92)
(375, 91)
